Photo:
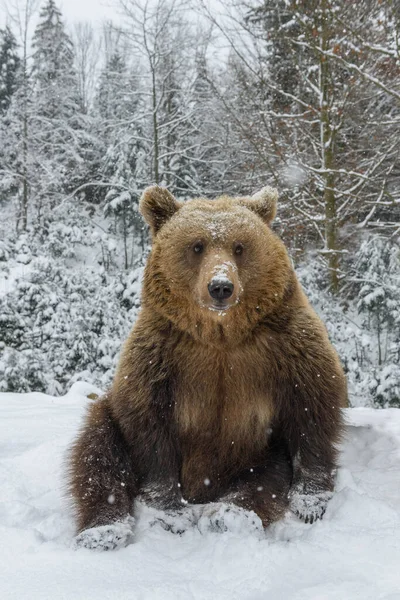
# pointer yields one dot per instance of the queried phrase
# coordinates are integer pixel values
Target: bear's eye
(238, 249)
(198, 247)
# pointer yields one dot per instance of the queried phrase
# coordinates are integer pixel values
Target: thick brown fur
(242, 404)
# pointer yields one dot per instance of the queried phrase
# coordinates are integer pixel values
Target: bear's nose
(220, 289)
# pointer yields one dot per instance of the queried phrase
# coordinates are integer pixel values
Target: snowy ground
(354, 553)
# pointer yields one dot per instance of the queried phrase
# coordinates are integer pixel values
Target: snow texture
(352, 554)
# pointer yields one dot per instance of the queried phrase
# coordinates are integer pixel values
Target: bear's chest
(223, 409)
(222, 399)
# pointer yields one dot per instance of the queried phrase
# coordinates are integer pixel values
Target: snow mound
(353, 553)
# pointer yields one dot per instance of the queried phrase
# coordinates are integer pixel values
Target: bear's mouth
(219, 307)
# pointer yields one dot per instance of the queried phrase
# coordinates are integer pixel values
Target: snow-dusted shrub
(23, 371)
(4, 251)
(375, 285)
(58, 323)
(363, 321)
(385, 386)
(340, 319)
(23, 250)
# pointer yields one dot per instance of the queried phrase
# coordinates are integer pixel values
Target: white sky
(88, 10)
(94, 11)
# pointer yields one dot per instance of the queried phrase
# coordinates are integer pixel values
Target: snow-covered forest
(301, 95)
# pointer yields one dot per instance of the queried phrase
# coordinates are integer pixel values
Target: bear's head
(216, 268)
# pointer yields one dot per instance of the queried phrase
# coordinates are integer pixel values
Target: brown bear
(228, 389)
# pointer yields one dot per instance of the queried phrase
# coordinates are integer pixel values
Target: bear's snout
(218, 285)
(220, 288)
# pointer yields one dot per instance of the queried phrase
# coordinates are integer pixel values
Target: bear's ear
(157, 205)
(263, 203)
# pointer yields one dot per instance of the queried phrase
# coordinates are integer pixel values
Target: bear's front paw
(106, 537)
(308, 506)
(220, 517)
(177, 521)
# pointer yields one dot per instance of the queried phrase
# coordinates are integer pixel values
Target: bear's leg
(102, 483)
(314, 473)
(310, 394)
(312, 443)
(263, 489)
(312, 426)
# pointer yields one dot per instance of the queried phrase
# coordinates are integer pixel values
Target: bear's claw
(309, 507)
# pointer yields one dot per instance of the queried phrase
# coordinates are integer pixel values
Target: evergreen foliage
(60, 131)
(9, 67)
(70, 321)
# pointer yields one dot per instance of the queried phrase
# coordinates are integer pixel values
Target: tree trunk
(24, 202)
(328, 157)
(155, 126)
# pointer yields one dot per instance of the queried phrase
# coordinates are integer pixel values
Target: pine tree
(174, 88)
(211, 157)
(53, 66)
(121, 107)
(284, 58)
(9, 75)
(9, 66)
(114, 98)
(62, 132)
